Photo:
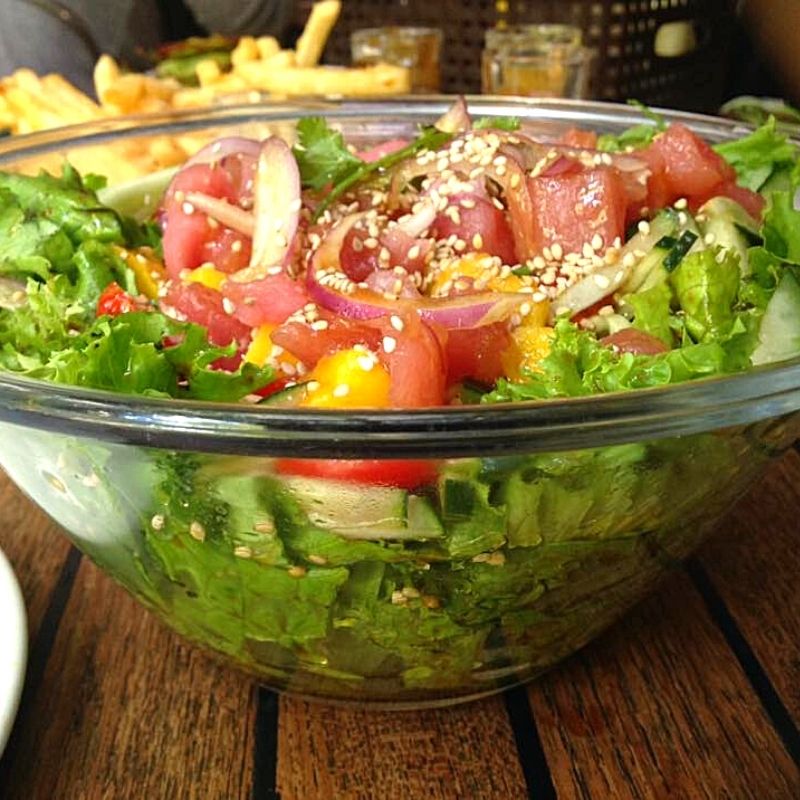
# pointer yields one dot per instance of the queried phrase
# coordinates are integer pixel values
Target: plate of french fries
(260, 71)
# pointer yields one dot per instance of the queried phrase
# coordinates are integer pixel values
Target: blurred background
(66, 61)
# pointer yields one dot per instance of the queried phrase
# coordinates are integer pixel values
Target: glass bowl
(546, 522)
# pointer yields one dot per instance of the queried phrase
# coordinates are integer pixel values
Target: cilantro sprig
(324, 160)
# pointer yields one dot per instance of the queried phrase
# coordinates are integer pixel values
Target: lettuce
(759, 156)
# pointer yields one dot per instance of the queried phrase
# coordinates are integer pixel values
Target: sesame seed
(312, 386)
(477, 241)
(468, 203)
(602, 281)
(236, 247)
(597, 242)
(197, 531)
(709, 238)
(557, 251)
(396, 322)
(525, 309)
(414, 252)
(266, 526)
(643, 227)
(371, 243)
(681, 203)
(682, 219)
(319, 325)
(515, 179)
(227, 305)
(389, 344)
(157, 522)
(243, 552)
(297, 571)
(367, 363)
(187, 208)
(318, 560)
(342, 390)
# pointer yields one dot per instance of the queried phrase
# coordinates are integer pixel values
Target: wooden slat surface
(662, 706)
(754, 563)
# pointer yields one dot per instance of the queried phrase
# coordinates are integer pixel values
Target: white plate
(13, 647)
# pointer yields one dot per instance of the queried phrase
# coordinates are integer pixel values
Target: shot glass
(536, 60)
(418, 49)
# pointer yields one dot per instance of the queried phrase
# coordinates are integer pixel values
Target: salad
(473, 264)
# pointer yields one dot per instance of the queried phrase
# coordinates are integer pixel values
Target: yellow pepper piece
(531, 344)
(147, 269)
(348, 379)
(208, 275)
(262, 350)
(474, 265)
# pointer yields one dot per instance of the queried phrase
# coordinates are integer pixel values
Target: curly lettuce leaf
(125, 354)
(757, 157)
(578, 364)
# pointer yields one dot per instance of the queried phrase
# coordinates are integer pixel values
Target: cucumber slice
(730, 226)
(779, 335)
(139, 198)
(354, 511)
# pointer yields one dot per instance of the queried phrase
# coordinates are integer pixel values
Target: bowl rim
(451, 431)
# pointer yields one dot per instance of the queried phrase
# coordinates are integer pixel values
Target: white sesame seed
(342, 390)
(227, 305)
(557, 251)
(396, 322)
(681, 203)
(157, 522)
(367, 363)
(197, 531)
(477, 241)
(187, 208)
(602, 281)
(312, 386)
(597, 242)
(643, 227)
(236, 247)
(389, 344)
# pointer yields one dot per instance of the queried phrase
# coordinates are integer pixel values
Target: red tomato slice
(403, 474)
(309, 345)
(480, 217)
(571, 209)
(414, 359)
(576, 137)
(752, 202)
(189, 240)
(693, 169)
(476, 353)
(413, 355)
(270, 300)
(114, 301)
(659, 194)
(203, 306)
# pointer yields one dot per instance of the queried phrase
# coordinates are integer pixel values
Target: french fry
(207, 71)
(267, 47)
(246, 50)
(316, 32)
(380, 79)
(106, 73)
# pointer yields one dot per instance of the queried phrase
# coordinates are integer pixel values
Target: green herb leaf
(322, 156)
(781, 228)
(500, 123)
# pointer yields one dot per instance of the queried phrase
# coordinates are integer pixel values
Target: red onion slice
(467, 311)
(228, 145)
(276, 209)
(222, 211)
(456, 119)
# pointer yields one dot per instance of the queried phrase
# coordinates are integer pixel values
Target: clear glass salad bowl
(546, 522)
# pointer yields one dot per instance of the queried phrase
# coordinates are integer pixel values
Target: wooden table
(696, 694)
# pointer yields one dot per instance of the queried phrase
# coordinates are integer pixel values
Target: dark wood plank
(753, 562)
(126, 709)
(440, 754)
(35, 547)
(659, 707)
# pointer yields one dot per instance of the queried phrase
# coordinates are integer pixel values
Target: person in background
(774, 28)
(67, 36)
